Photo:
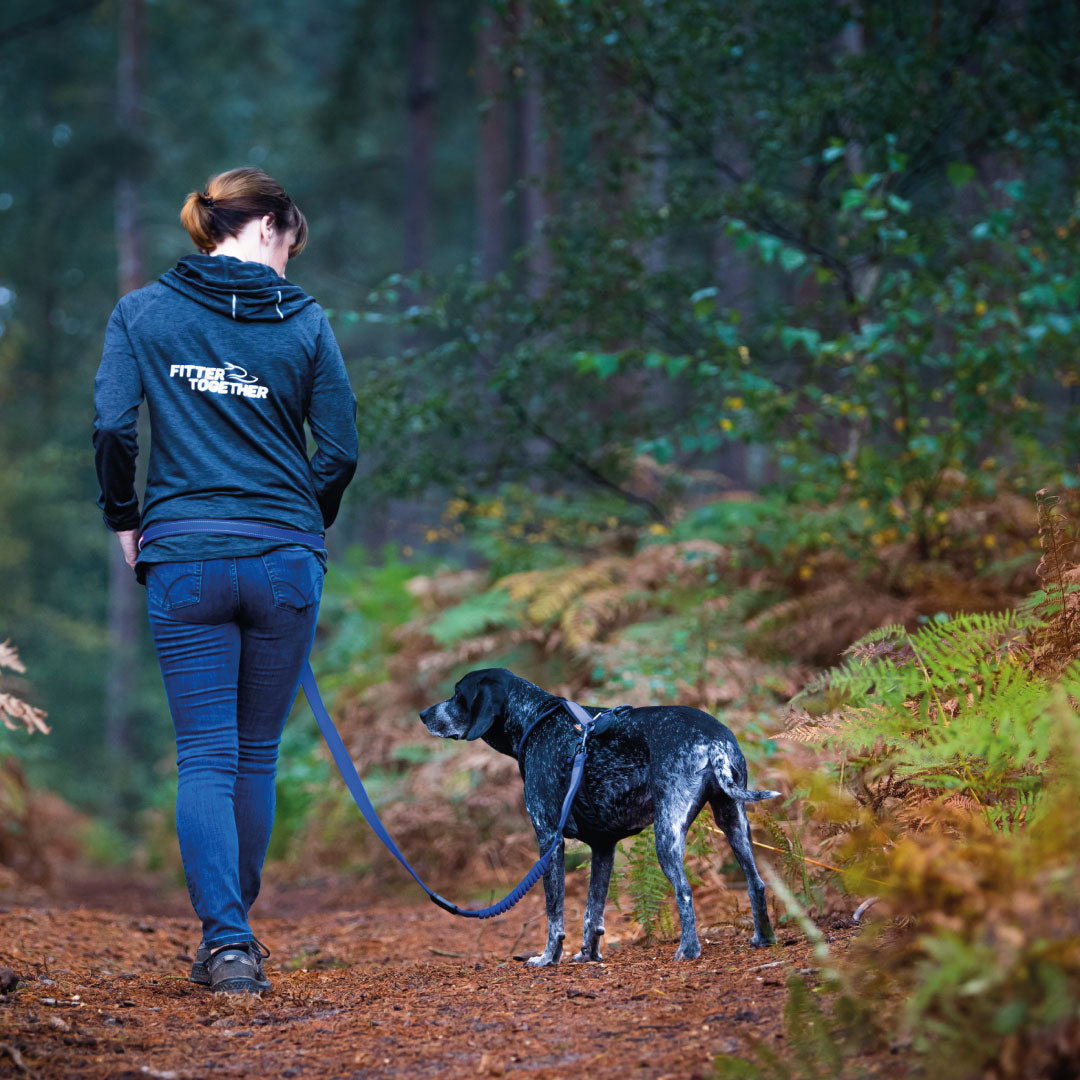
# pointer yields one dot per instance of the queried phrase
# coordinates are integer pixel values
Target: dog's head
(478, 701)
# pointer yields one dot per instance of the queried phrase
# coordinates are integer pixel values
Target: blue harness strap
(337, 747)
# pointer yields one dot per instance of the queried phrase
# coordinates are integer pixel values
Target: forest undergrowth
(931, 771)
(919, 716)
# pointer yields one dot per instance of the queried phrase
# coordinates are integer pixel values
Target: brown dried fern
(807, 728)
(1055, 640)
(9, 657)
(597, 611)
(14, 708)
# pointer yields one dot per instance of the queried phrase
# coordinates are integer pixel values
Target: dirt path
(386, 990)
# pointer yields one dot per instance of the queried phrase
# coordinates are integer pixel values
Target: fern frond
(847, 722)
(33, 719)
(647, 886)
(9, 657)
(524, 584)
(556, 593)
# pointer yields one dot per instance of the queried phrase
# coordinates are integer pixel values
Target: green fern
(817, 1046)
(649, 890)
(796, 869)
(475, 614)
(954, 706)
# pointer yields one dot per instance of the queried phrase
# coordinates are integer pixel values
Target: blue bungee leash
(337, 747)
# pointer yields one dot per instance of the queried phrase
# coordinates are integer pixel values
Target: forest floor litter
(373, 989)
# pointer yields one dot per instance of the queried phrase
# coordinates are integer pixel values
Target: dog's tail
(722, 769)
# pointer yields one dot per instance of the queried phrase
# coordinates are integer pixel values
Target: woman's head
(248, 205)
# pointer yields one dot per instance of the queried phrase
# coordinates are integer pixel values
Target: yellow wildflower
(726, 424)
(980, 307)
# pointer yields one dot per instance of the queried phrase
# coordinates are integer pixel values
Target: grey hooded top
(231, 359)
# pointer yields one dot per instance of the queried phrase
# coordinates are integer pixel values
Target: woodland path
(371, 990)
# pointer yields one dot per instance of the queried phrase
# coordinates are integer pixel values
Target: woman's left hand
(129, 545)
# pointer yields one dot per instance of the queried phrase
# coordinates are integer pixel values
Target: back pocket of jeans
(296, 577)
(172, 585)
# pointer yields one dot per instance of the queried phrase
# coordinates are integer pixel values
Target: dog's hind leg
(554, 885)
(730, 815)
(603, 859)
(670, 851)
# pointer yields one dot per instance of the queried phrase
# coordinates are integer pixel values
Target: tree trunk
(123, 624)
(491, 160)
(420, 101)
(539, 156)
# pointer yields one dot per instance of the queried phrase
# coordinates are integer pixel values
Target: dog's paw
(688, 952)
(542, 961)
(584, 957)
(759, 942)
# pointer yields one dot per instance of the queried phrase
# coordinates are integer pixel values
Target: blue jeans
(232, 636)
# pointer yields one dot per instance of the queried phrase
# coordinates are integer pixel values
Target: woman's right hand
(129, 545)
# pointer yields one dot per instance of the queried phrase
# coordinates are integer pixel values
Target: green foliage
(953, 707)
(643, 881)
(363, 601)
(976, 962)
(475, 614)
(769, 531)
(517, 529)
(814, 1045)
(794, 862)
(303, 773)
(104, 845)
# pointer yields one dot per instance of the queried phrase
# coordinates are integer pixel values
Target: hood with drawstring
(233, 361)
(247, 291)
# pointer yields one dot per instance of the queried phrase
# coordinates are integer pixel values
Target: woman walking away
(232, 359)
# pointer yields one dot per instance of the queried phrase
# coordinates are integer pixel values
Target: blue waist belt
(337, 746)
(231, 528)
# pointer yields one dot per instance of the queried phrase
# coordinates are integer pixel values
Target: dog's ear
(485, 711)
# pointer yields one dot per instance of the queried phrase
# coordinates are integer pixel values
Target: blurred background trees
(588, 262)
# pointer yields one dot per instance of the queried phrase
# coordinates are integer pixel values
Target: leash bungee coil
(336, 744)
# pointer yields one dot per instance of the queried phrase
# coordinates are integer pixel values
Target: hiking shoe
(200, 969)
(237, 969)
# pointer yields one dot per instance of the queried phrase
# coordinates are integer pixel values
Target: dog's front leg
(554, 882)
(603, 859)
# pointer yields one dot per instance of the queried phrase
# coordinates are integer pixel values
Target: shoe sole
(239, 986)
(200, 975)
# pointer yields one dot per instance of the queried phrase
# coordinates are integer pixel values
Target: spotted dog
(653, 766)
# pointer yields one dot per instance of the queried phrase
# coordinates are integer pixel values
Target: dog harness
(585, 722)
